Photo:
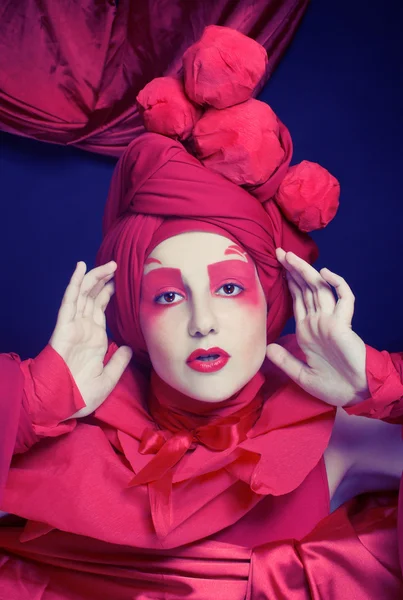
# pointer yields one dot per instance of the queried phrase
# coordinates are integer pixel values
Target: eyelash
(161, 296)
(158, 299)
(236, 285)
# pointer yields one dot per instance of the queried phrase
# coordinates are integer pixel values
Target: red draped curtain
(70, 70)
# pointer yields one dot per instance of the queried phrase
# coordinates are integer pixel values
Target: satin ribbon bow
(171, 443)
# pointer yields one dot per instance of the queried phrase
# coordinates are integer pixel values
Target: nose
(202, 319)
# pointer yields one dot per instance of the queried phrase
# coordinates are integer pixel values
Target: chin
(211, 389)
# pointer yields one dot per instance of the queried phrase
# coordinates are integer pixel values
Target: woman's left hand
(334, 370)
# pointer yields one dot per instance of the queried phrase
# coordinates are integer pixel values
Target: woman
(191, 479)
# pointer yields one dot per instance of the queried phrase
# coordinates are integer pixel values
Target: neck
(172, 400)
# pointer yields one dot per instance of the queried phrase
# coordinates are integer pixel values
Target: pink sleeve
(11, 389)
(385, 382)
(50, 396)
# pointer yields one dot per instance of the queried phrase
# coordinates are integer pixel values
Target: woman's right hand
(80, 335)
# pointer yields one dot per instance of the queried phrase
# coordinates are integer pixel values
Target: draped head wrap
(159, 190)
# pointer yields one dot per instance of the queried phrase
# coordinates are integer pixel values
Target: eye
(229, 289)
(168, 298)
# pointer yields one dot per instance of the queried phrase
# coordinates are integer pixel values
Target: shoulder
(363, 454)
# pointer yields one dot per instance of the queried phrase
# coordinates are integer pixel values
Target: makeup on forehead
(237, 272)
(159, 280)
(235, 249)
(236, 269)
(150, 262)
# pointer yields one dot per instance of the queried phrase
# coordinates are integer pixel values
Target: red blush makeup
(240, 273)
(157, 282)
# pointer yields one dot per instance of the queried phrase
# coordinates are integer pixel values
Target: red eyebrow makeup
(161, 280)
(238, 272)
(154, 284)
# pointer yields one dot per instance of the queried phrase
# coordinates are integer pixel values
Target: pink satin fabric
(11, 387)
(180, 426)
(70, 71)
(350, 555)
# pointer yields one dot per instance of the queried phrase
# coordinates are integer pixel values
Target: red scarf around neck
(181, 424)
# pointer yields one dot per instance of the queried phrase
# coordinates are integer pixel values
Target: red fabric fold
(51, 394)
(335, 560)
(205, 482)
(385, 382)
(11, 387)
(181, 430)
(350, 555)
(70, 71)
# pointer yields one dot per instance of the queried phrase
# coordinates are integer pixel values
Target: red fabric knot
(152, 440)
(169, 449)
(180, 428)
(223, 68)
(166, 455)
(166, 109)
(308, 196)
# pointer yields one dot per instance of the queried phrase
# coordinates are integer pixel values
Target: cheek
(251, 311)
(159, 325)
(150, 315)
(252, 303)
(251, 298)
(250, 338)
(255, 323)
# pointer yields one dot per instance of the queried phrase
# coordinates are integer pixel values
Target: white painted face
(203, 315)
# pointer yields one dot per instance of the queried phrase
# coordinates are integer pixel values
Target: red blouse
(285, 546)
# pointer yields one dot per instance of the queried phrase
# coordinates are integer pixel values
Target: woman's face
(203, 315)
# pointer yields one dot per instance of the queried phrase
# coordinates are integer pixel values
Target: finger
(68, 305)
(298, 300)
(88, 310)
(292, 366)
(322, 293)
(101, 302)
(305, 293)
(89, 282)
(113, 371)
(287, 260)
(93, 295)
(98, 287)
(103, 298)
(345, 304)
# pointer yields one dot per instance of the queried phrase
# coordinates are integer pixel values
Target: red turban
(159, 190)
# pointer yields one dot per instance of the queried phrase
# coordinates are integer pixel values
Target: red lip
(208, 366)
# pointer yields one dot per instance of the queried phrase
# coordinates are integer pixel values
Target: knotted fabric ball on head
(233, 134)
(223, 68)
(166, 109)
(232, 178)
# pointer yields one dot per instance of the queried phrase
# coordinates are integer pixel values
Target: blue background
(339, 91)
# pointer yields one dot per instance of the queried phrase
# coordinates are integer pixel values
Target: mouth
(208, 361)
